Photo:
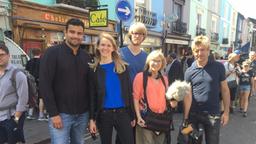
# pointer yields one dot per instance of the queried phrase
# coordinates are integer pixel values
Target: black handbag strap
(145, 81)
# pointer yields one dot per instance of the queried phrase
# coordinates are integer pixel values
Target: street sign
(123, 10)
(98, 18)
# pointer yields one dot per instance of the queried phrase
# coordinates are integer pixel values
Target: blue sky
(246, 7)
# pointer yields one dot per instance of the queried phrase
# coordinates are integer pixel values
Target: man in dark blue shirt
(63, 84)
(207, 79)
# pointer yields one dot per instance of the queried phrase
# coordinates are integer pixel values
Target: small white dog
(178, 90)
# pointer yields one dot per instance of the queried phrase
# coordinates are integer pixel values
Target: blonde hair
(231, 56)
(200, 41)
(154, 54)
(138, 27)
(246, 62)
(119, 63)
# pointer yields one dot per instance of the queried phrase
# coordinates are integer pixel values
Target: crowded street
(240, 130)
(127, 72)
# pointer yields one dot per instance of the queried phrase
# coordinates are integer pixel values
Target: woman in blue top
(111, 104)
(245, 85)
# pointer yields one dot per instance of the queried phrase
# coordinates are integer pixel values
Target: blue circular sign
(123, 10)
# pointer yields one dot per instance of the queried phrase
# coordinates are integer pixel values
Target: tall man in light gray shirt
(13, 101)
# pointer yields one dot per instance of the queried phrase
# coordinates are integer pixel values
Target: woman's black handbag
(160, 122)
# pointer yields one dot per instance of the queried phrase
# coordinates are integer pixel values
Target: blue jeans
(73, 131)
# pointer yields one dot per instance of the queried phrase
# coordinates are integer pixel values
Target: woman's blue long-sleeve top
(98, 89)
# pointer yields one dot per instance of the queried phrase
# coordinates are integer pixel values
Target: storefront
(37, 26)
(153, 41)
(177, 44)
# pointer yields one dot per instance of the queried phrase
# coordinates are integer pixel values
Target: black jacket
(97, 92)
(175, 72)
(64, 80)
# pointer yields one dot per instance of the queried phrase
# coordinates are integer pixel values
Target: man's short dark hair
(75, 22)
(173, 55)
(4, 47)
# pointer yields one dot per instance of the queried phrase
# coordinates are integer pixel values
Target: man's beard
(73, 45)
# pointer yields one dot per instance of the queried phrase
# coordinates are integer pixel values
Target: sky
(245, 7)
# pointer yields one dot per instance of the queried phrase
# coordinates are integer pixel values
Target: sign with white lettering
(123, 10)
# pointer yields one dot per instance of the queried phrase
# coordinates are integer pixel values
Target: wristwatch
(16, 119)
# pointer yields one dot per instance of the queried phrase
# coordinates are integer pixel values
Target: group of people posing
(107, 91)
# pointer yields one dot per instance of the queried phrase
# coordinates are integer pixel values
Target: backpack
(32, 87)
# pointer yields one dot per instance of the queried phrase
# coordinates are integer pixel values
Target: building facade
(5, 12)
(239, 30)
(39, 26)
(198, 17)
(225, 24)
(213, 24)
(176, 37)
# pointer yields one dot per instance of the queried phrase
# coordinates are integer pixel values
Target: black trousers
(118, 119)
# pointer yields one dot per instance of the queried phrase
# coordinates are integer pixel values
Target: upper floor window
(215, 5)
(143, 3)
(214, 25)
(198, 19)
(178, 10)
(226, 11)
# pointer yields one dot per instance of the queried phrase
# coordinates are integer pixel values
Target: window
(178, 10)
(143, 3)
(198, 19)
(214, 26)
(226, 11)
(215, 6)
(225, 31)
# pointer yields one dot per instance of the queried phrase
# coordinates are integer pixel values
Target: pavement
(239, 130)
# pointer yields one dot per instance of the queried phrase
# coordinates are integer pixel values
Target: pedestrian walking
(231, 71)
(207, 79)
(246, 83)
(111, 93)
(13, 103)
(32, 67)
(63, 84)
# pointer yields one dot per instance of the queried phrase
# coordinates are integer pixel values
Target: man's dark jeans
(12, 132)
(211, 125)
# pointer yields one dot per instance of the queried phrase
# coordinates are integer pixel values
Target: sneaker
(42, 119)
(245, 114)
(29, 117)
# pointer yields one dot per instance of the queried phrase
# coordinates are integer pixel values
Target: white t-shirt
(230, 68)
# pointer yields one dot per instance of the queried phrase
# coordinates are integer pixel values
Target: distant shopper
(231, 72)
(32, 67)
(13, 100)
(63, 84)
(245, 85)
